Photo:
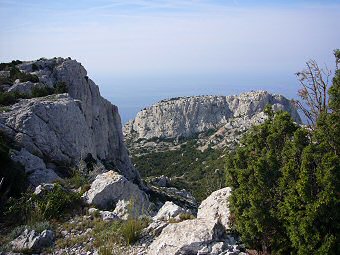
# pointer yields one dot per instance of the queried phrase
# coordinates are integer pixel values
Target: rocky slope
(62, 129)
(217, 120)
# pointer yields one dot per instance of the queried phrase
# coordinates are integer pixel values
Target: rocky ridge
(217, 121)
(62, 129)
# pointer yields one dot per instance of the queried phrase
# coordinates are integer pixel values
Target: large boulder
(110, 189)
(35, 168)
(216, 207)
(208, 234)
(31, 240)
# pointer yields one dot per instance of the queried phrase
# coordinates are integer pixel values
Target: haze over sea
(140, 52)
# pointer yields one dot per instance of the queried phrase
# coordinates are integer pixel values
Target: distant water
(132, 94)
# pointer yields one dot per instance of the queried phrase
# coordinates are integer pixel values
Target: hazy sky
(142, 51)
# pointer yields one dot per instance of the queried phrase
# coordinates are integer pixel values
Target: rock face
(33, 241)
(111, 189)
(65, 128)
(35, 168)
(205, 235)
(216, 116)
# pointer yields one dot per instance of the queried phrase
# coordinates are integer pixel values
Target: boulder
(187, 237)
(110, 189)
(169, 210)
(160, 181)
(33, 241)
(216, 207)
(205, 235)
(34, 167)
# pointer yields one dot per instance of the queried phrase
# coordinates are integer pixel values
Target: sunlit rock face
(218, 119)
(65, 128)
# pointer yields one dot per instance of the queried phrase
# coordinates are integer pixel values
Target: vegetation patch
(201, 173)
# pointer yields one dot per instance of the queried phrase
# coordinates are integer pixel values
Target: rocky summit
(62, 128)
(218, 121)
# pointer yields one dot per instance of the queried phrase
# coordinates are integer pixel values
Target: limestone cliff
(220, 119)
(61, 129)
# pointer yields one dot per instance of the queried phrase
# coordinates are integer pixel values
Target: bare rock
(216, 207)
(205, 235)
(24, 87)
(34, 167)
(33, 241)
(217, 120)
(169, 210)
(65, 128)
(110, 188)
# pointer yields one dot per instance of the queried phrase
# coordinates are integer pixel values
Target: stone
(44, 188)
(169, 210)
(24, 87)
(109, 188)
(186, 237)
(108, 216)
(34, 167)
(216, 207)
(207, 234)
(33, 241)
(161, 181)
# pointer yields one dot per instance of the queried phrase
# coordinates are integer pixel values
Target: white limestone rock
(169, 210)
(24, 87)
(111, 188)
(66, 128)
(216, 207)
(205, 235)
(33, 241)
(221, 120)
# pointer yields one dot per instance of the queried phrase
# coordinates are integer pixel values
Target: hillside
(186, 138)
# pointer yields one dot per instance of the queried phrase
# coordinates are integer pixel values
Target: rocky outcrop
(65, 128)
(208, 234)
(32, 241)
(220, 118)
(111, 190)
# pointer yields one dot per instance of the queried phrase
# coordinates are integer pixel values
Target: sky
(140, 51)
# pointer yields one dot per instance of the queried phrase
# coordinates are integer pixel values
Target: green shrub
(9, 98)
(13, 174)
(186, 216)
(60, 88)
(42, 91)
(15, 73)
(117, 233)
(186, 169)
(35, 67)
(131, 230)
(31, 208)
